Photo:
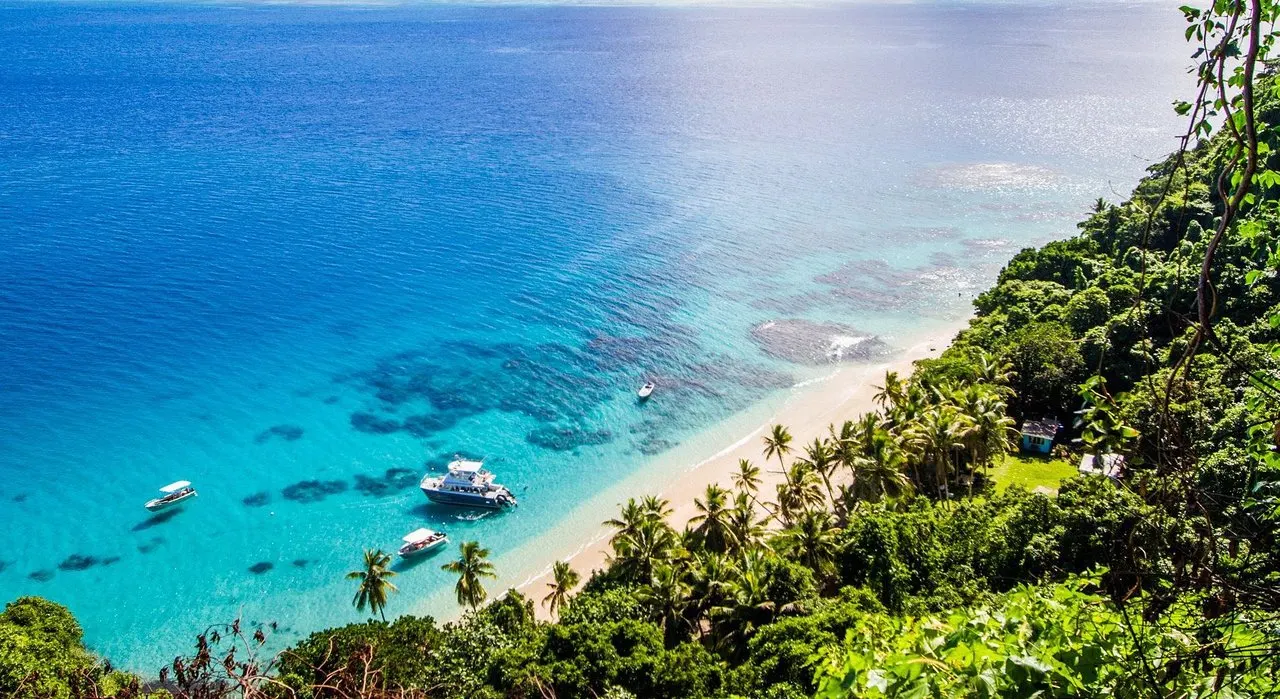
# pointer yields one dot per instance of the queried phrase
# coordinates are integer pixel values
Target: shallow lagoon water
(301, 255)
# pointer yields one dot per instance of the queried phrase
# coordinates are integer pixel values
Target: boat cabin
(464, 473)
(421, 540)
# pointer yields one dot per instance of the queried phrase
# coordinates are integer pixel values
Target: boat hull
(465, 500)
(434, 546)
(157, 506)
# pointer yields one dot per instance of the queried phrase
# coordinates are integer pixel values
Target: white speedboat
(467, 483)
(174, 494)
(422, 541)
(646, 390)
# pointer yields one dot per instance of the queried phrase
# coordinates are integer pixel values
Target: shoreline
(581, 538)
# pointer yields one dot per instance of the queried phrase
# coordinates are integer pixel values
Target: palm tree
(996, 372)
(635, 553)
(821, 459)
(881, 469)
(627, 521)
(709, 576)
(748, 605)
(778, 443)
(938, 434)
(910, 407)
(993, 431)
(747, 477)
(712, 521)
(747, 480)
(669, 595)
(801, 492)
(891, 394)
(846, 453)
(744, 528)
(563, 579)
(812, 541)
(656, 507)
(375, 582)
(471, 567)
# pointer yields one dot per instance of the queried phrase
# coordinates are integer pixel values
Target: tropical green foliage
(472, 567)
(42, 655)
(563, 579)
(1052, 641)
(375, 582)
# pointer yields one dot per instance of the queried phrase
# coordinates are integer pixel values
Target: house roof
(1041, 428)
(1111, 465)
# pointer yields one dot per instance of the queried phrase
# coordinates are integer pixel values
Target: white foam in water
(840, 344)
(816, 380)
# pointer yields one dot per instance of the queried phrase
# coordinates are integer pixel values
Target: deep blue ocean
(301, 255)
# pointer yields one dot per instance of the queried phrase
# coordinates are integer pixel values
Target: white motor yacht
(174, 494)
(422, 541)
(467, 483)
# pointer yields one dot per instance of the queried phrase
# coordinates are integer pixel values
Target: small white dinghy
(646, 390)
(174, 493)
(422, 541)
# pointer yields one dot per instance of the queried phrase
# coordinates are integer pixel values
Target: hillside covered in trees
(888, 563)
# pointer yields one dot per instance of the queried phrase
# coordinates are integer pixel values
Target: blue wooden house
(1038, 435)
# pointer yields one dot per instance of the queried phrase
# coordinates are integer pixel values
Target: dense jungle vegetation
(885, 563)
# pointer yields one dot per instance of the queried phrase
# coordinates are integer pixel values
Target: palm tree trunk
(831, 496)
(973, 468)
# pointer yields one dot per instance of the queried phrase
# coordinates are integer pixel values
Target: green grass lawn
(1031, 472)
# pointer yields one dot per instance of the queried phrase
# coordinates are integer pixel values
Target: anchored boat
(467, 483)
(422, 541)
(646, 390)
(174, 494)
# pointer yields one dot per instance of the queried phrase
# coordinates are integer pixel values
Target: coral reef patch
(372, 424)
(313, 491)
(288, 433)
(808, 342)
(78, 562)
(567, 438)
(258, 499)
(392, 480)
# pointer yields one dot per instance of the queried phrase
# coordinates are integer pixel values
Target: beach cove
(301, 256)
(808, 412)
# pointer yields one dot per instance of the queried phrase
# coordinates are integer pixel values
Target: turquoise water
(301, 255)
